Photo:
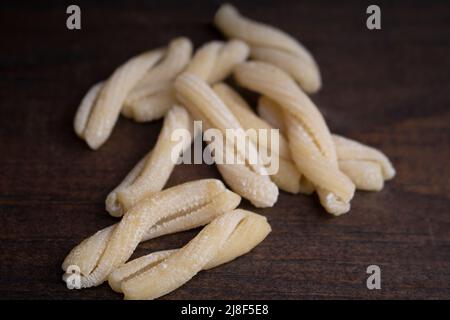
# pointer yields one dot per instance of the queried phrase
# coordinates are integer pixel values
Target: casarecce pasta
(224, 239)
(367, 167)
(152, 172)
(159, 83)
(138, 88)
(250, 180)
(310, 141)
(287, 177)
(179, 208)
(271, 45)
(153, 95)
(100, 108)
(215, 60)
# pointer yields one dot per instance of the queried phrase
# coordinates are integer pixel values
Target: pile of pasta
(180, 86)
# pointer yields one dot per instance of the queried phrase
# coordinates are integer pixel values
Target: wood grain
(388, 88)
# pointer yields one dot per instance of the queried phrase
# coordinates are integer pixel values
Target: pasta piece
(247, 118)
(152, 107)
(365, 175)
(271, 45)
(348, 149)
(362, 164)
(204, 59)
(232, 53)
(215, 60)
(310, 141)
(270, 112)
(151, 173)
(85, 108)
(206, 106)
(103, 104)
(287, 177)
(224, 239)
(179, 208)
(367, 167)
(153, 90)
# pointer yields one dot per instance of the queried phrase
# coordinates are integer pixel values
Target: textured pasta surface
(224, 239)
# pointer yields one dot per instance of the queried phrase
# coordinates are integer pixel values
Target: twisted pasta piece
(153, 95)
(367, 167)
(269, 111)
(152, 172)
(179, 208)
(224, 239)
(271, 45)
(250, 180)
(287, 177)
(100, 108)
(215, 60)
(310, 141)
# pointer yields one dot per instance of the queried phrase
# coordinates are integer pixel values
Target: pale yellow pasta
(269, 111)
(367, 167)
(215, 60)
(365, 175)
(271, 45)
(224, 239)
(104, 104)
(247, 118)
(310, 141)
(287, 177)
(348, 149)
(85, 108)
(153, 90)
(232, 53)
(204, 59)
(151, 173)
(152, 107)
(250, 181)
(183, 207)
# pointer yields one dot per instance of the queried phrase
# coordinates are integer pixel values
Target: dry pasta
(367, 167)
(271, 45)
(250, 181)
(101, 107)
(287, 177)
(151, 173)
(224, 239)
(215, 60)
(310, 141)
(153, 96)
(179, 208)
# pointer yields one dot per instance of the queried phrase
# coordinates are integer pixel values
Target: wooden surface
(387, 88)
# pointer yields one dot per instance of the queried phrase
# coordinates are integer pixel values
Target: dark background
(387, 88)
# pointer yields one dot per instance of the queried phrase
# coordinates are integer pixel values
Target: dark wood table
(388, 88)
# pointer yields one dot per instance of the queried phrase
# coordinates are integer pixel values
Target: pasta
(173, 83)
(367, 167)
(151, 173)
(100, 108)
(215, 60)
(224, 239)
(271, 45)
(179, 208)
(310, 141)
(250, 181)
(153, 96)
(287, 177)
